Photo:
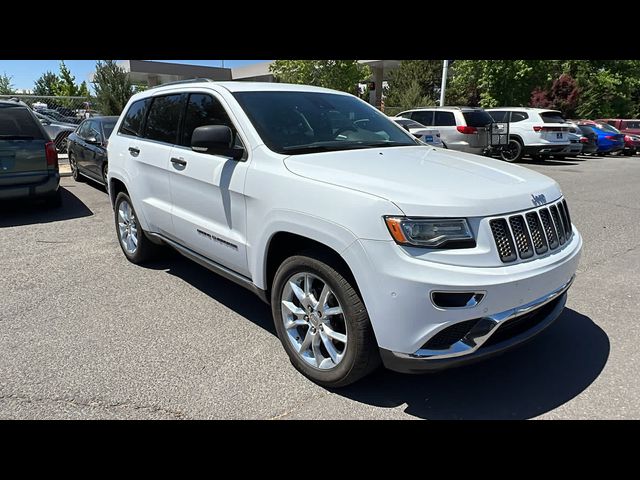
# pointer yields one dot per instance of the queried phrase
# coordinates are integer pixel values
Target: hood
(425, 181)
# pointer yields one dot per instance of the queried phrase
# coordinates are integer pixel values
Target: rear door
(22, 147)
(150, 129)
(554, 130)
(425, 117)
(481, 121)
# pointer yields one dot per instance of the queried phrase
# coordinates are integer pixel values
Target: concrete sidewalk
(63, 162)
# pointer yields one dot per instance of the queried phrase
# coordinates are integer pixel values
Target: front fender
(324, 231)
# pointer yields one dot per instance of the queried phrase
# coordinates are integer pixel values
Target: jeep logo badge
(538, 199)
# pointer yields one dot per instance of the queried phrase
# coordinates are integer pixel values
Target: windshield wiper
(385, 144)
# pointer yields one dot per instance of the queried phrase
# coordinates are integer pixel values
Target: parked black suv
(28, 157)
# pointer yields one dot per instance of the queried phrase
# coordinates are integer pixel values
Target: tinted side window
(17, 121)
(94, 130)
(518, 116)
(444, 119)
(425, 118)
(164, 116)
(83, 129)
(552, 117)
(203, 109)
(498, 116)
(477, 118)
(132, 122)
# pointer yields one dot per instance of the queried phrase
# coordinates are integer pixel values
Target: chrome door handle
(134, 151)
(179, 161)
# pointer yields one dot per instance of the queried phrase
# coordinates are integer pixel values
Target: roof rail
(190, 80)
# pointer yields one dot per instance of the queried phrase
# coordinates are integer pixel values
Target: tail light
(584, 140)
(610, 137)
(52, 155)
(536, 128)
(627, 138)
(467, 130)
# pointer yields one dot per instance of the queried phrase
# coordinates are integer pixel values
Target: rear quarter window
(444, 119)
(18, 122)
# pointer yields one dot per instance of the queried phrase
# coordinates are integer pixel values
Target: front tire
(132, 239)
(322, 322)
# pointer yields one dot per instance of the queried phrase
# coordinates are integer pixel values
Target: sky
(25, 72)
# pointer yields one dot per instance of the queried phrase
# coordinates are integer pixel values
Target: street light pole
(443, 87)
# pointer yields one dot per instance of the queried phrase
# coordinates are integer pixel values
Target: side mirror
(216, 140)
(93, 140)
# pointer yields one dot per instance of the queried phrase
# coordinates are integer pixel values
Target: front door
(208, 213)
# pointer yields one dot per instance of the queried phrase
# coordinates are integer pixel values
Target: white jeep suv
(370, 246)
(537, 132)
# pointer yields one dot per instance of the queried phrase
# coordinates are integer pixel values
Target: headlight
(430, 232)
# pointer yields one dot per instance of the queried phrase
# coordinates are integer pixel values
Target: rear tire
(132, 239)
(354, 348)
(513, 151)
(105, 171)
(75, 173)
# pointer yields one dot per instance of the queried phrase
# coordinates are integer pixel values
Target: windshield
(304, 122)
(108, 128)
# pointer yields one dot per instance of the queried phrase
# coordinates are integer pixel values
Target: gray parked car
(28, 157)
(57, 131)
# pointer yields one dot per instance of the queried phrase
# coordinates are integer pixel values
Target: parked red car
(625, 125)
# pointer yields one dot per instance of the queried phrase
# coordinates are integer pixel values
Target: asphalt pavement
(84, 334)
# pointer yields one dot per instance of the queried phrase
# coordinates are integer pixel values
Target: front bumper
(396, 284)
(475, 345)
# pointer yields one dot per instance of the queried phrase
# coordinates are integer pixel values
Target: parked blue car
(610, 139)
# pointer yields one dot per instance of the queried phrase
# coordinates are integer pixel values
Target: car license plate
(428, 138)
(559, 136)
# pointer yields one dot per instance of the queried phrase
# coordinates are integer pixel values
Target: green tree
(67, 86)
(341, 75)
(112, 86)
(6, 87)
(415, 81)
(47, 84)
(493, 83)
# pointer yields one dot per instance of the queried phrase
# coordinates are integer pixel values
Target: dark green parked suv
(28, 157)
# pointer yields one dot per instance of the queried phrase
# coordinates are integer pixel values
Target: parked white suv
(461, 128)
(537, 132)
(369, 245)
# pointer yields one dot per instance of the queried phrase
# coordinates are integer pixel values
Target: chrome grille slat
(533, 232)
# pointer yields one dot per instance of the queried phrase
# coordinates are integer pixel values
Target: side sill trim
(214, 267)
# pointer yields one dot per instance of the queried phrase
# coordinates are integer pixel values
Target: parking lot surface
(84, 334)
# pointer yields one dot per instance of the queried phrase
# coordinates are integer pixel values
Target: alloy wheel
(314, 320)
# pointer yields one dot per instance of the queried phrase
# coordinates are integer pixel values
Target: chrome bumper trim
(485, 327)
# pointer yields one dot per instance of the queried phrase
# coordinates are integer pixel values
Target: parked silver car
(461, 128)
(57, 131)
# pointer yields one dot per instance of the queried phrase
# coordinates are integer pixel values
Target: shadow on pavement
(523, 383)
(549, 162)
(526, 382)
(224, 291)
(28, 212)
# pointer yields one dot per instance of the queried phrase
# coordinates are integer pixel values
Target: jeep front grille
(539, 230)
